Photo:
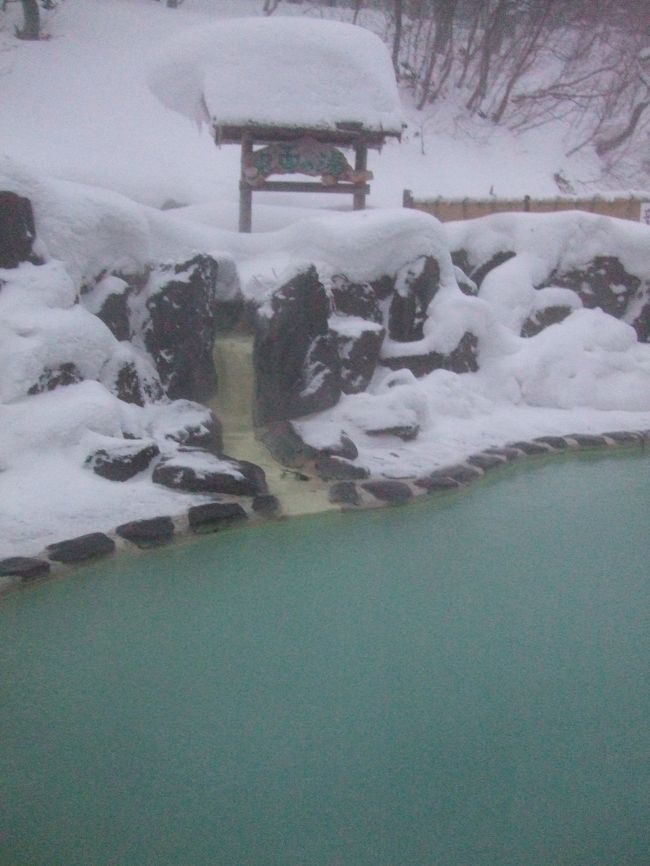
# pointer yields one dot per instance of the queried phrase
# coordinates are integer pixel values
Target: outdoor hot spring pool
(461, 681)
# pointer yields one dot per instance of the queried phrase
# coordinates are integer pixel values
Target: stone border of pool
(59, 558)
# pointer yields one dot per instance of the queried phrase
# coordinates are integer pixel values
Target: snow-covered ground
(85, 139)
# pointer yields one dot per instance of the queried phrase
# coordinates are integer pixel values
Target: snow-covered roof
(288, 72)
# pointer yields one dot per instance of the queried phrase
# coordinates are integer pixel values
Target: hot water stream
(233, 358)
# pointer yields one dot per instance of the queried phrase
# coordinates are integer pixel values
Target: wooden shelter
(293, 92)
(307, 151)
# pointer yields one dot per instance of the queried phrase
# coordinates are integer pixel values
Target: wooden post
(245, 192)
(407, 198)
(360, 164)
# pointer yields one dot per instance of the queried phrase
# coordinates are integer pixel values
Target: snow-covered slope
(77, 107)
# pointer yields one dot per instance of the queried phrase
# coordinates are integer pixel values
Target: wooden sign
(306, 156)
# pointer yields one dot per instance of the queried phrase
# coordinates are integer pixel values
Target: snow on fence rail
(634, 207)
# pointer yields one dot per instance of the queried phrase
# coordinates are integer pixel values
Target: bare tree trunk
(603, 147)
(492, 39)
(444, 16)
(270, 6)
(397, 37)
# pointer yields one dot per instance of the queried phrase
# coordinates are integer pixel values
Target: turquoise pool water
(461, 682)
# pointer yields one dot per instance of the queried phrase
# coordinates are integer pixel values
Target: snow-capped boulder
(603, 282)
(542, 318)
(81, 548)
(45, 342)
(183, 422)
(131, 376)
(148, 532)
(17, 233)
(415, 286)
(121, 459)
(297, 368)
(198, 471)
(174, 319)
(463, 358)
(108, 300)
(600, 260)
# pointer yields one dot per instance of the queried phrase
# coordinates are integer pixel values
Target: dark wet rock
(344, 492)
(624, 437)
(462, 359)
(419, 365)
(336, 468)
(25, 567)
(267, 504)
(415, 286)
(229, 315)
(286, 444)
(383, 287)
(480, 272)
(358, 349)
(505, 452)
(460, 260)
(56, 377)
(559, 443)
(355, 299)
(460, 473)
(214, 516)
(180, 326)
(531, 447)
(437, 481)
(198, 471)
(463, 472)
(123, 459)
(405, 432)
(297, 367)
(17, 232)
(147, 533)
(603, 283)
(641, 321)
(394, 492)
(541, 319)
(485, 460)
(83, 547)
(586, 440)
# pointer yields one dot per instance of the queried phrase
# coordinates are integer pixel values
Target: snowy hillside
(77, 107)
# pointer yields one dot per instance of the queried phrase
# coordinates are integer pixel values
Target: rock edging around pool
(225, 513)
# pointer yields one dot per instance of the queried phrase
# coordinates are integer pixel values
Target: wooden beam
(360, 165)
(269, 134)
(306, 186)
(245, 191)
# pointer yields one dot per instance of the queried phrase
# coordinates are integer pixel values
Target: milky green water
(459, 682)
